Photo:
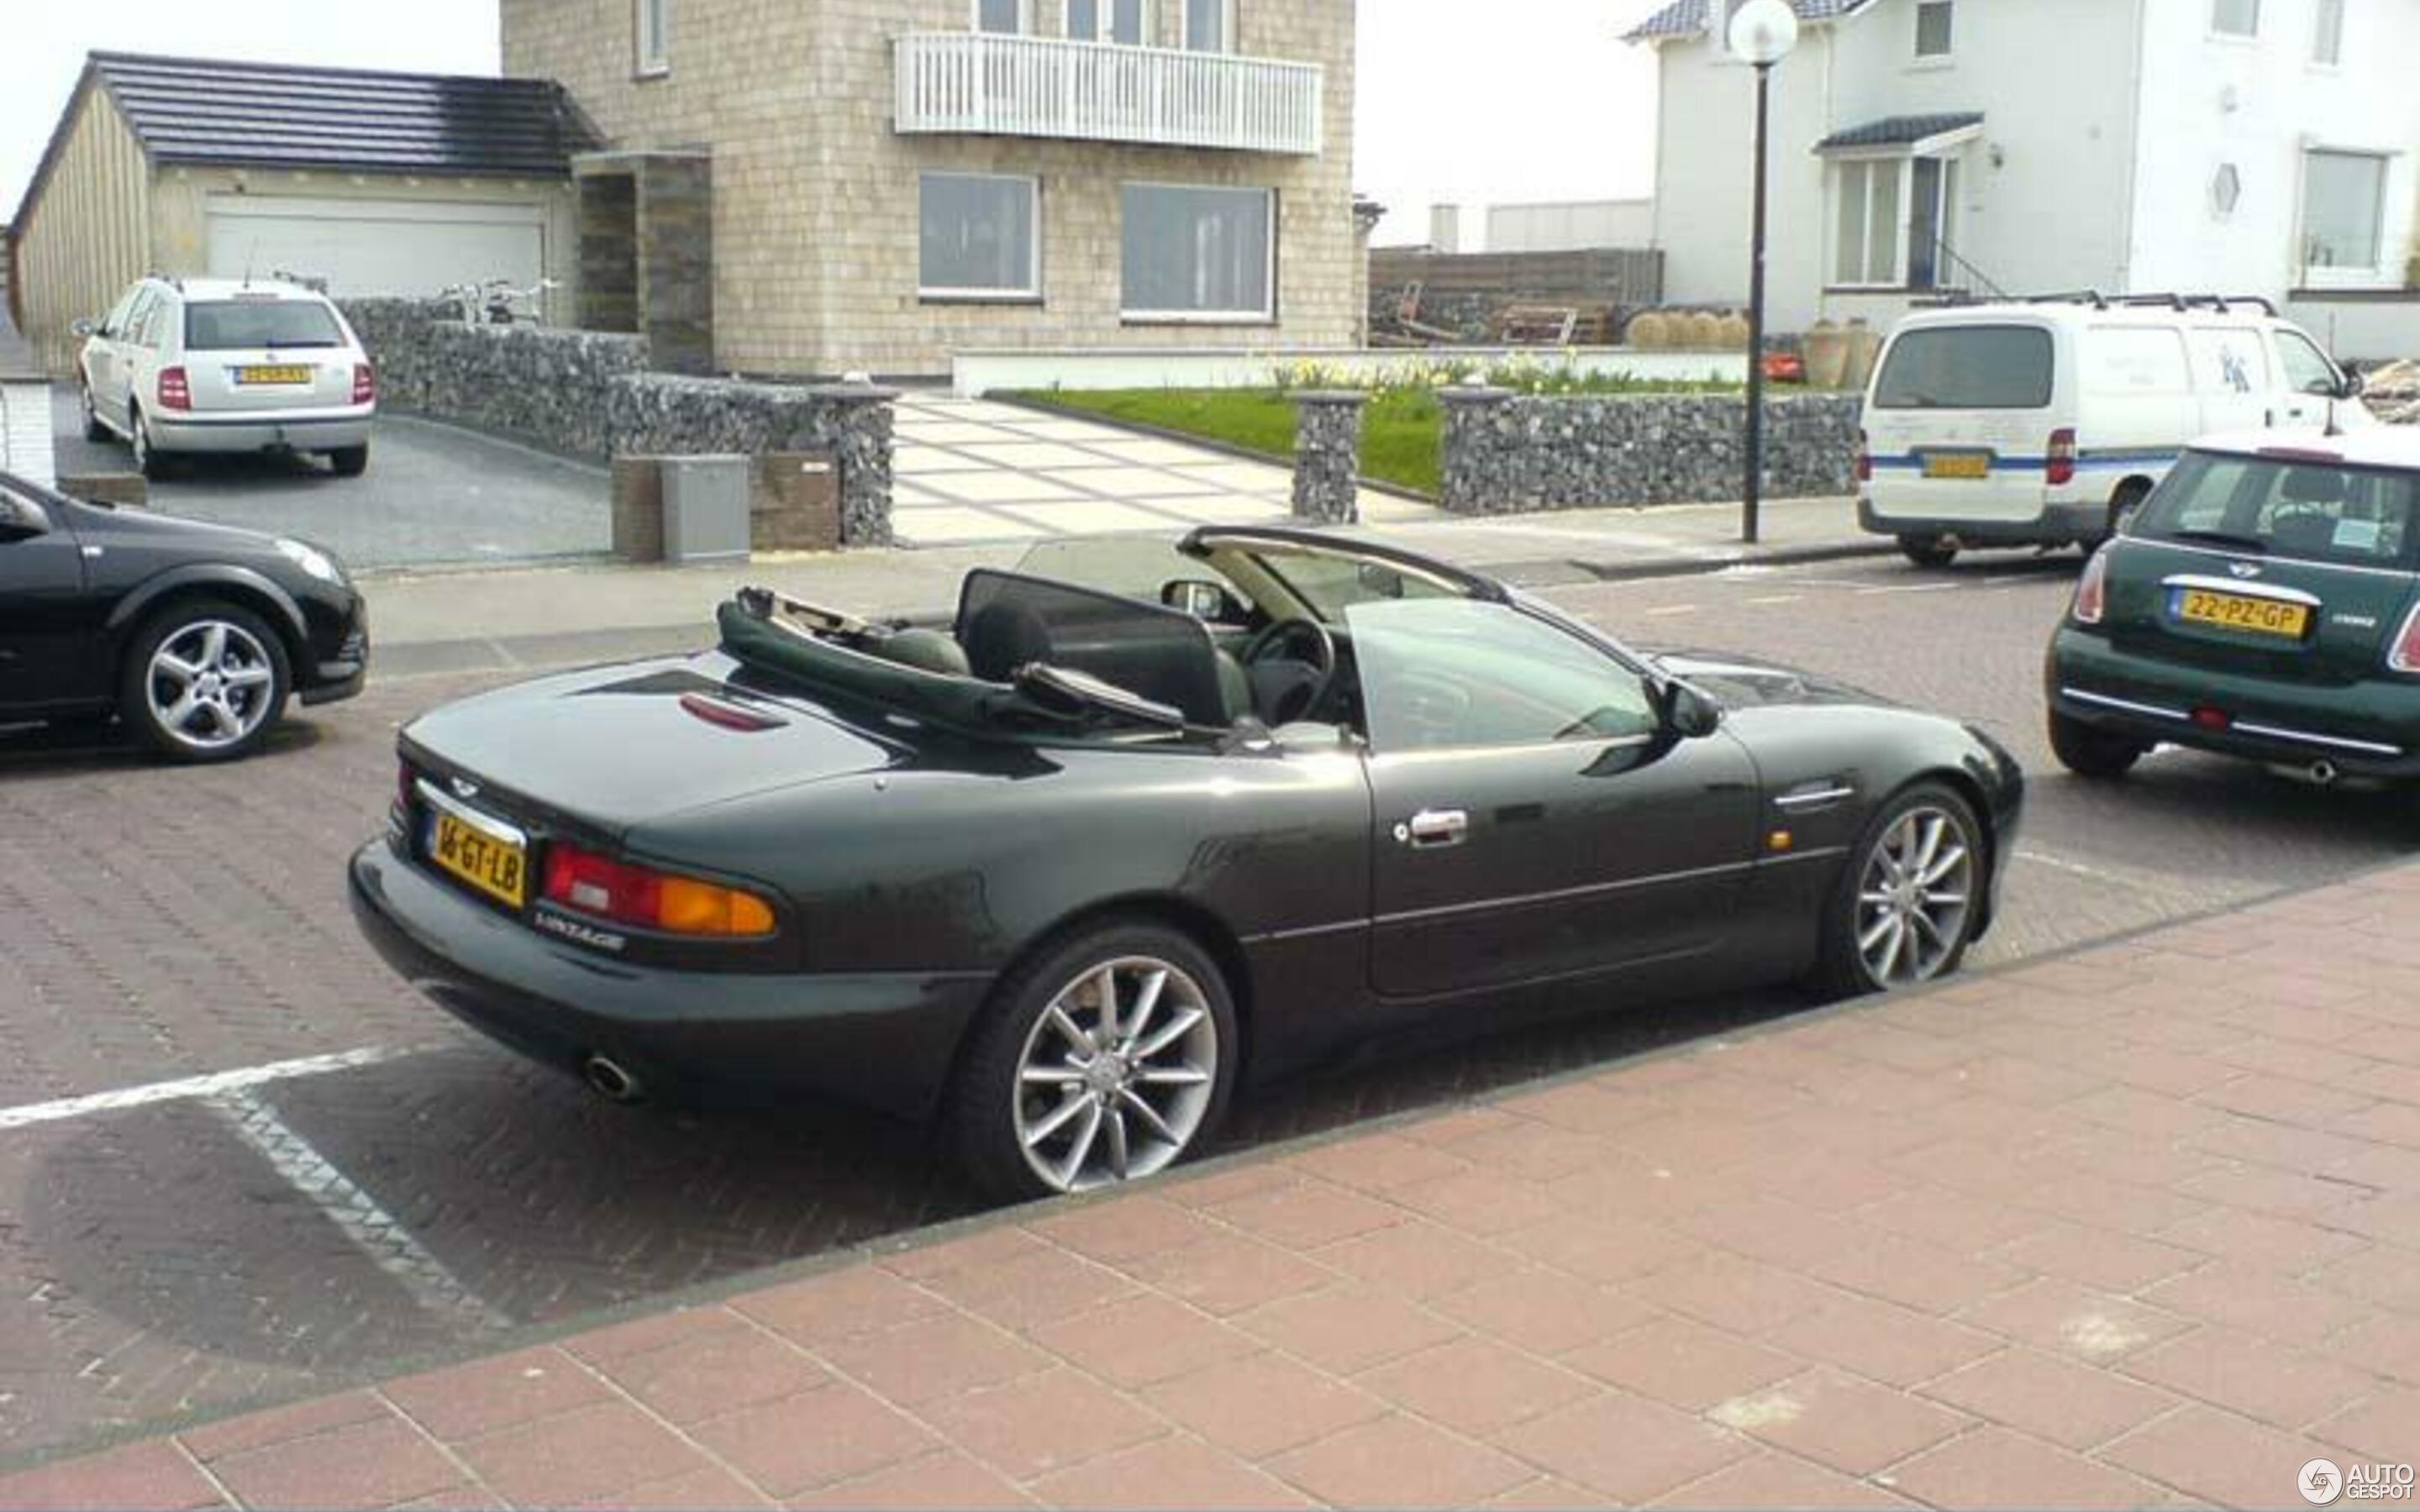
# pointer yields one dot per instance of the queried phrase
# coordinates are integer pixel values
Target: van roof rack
(2221, 303)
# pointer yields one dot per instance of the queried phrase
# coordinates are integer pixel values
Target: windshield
(233, 325)
(1966, 367)
(1331, 585)
(2293, 504)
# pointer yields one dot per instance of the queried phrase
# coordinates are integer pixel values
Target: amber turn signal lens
(687, 907)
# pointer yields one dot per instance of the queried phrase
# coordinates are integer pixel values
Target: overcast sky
(1477, 103)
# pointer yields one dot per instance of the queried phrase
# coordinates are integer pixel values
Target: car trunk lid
(607, 749)
(2256, 612)
(264, 352)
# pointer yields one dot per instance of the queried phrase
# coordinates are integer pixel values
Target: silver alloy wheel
(1913, 898)
(210, 684)
(1116, 1075)
(138, 436)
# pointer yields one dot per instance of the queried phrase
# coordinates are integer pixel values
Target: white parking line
(1775, 598)
(1911, 587)
(1672, 608)
(211, 1085)
(373, 1230)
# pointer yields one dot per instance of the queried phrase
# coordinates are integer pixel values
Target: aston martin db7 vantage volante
(1147, 822)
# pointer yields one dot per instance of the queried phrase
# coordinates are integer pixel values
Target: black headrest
(1003, 636)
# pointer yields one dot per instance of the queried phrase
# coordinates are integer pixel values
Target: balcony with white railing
(997, 84)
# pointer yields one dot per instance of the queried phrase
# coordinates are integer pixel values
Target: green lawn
(1399, 430)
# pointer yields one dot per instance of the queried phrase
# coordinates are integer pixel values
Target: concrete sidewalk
(466, 621)
(2136, 1227)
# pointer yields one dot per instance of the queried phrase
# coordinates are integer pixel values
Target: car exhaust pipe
(609, 1080)
(2323, 773)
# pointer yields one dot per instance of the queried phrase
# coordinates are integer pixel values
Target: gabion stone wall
(658, 414)
(545, 386)
(1327, 457)
(1511, 453)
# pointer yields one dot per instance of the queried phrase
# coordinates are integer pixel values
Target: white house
(2237, 147)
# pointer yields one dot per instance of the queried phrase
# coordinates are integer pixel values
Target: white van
(2044, 421)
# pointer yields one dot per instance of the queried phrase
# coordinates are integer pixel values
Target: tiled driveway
(968, 471)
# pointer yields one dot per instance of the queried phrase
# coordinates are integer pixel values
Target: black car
(194, 635)
(1068, 871)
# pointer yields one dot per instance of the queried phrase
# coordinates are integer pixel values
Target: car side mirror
(82, 329)
(1689, 713)
(1201, 598)
(2353, 386)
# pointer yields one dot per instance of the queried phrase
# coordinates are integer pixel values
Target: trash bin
(705, 508)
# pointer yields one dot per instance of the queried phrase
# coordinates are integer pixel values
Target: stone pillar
(675, 271)
(1328, 455)
(860, 426)
(1473, 481)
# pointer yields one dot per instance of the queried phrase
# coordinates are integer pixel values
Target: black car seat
(1234, 686)
(1003, 636)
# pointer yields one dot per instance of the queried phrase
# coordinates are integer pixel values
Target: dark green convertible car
(2264, 603)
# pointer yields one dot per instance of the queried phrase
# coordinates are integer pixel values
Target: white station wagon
(194, 364)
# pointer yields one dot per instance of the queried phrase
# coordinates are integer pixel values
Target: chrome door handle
(1433, 829)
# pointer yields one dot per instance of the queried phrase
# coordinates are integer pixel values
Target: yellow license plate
(495, 867)
(272, 374)
(2235, 611)
(1957, 464)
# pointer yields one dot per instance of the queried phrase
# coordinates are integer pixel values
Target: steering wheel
(1291, 664)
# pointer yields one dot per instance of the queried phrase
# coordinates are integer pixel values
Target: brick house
(810, 187)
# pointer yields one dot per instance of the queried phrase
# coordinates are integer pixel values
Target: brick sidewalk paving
(2140, 1227)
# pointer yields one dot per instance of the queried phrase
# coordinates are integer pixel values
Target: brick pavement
(2137, 1226)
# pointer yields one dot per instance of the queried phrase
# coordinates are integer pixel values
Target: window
(2307, 369)
(1201, 253)
(1210, 26)
(1966, 367)
(1107, 20)
(1932, 28)
(2235, 18)
(2327, 38)
(2344, 199)
(651, 35)
(2311, 510)
(240, 325)
(1868, 206)
(978, 237)
(1446, 673)
(1000, 15)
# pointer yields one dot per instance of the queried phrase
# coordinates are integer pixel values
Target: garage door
(375, 246)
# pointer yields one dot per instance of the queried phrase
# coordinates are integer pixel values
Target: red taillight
(1865, 460)
(601, 887)
(175, 392)
(2213, 719)
(2092, 590)
(364, 383)
(2404, 655)
(2060, 462)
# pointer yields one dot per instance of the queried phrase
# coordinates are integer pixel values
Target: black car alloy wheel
(1910, 898)
(204, 682)
(1106, 1060)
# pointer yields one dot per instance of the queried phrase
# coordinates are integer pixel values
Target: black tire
(991, 1102)
(351, 461)
(2099, 754)
(148, 460)
(93, 429)
(140, 687)
(1927, 550)
(1842, 969)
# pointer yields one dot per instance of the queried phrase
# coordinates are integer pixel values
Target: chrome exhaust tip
(610, 1081)
(2323, 772)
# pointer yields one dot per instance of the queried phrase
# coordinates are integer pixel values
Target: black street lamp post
(1762, 32)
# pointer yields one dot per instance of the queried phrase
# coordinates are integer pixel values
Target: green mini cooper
(2263, 603)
